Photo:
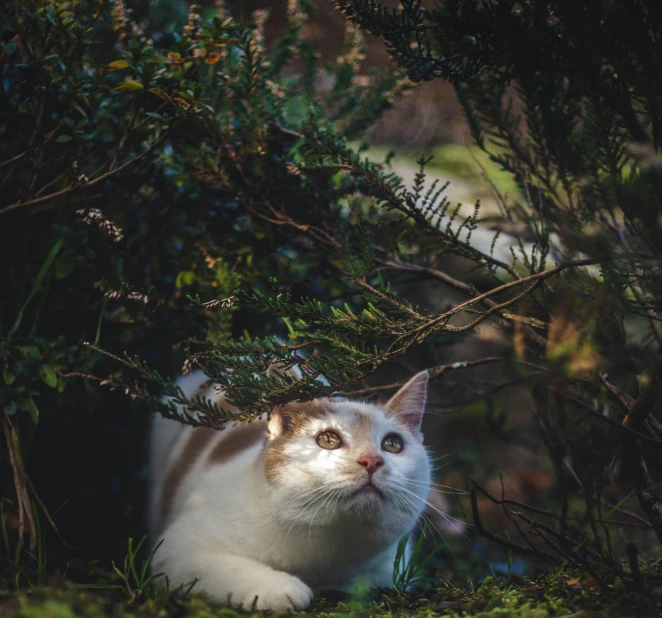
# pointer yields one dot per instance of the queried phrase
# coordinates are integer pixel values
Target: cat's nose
(371, 462)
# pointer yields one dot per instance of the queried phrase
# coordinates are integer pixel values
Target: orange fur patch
(198, 439)
(296, 417)
(239, 439)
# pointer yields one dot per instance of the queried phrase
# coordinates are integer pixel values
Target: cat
(265, 514)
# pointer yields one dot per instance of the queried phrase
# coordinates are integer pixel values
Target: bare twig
(535, 509)
(49, 519)
(500, 540)
(650, 503)
(83, 185)
(650, 314)
(15, 159)
(536, 279)
(623, 398)
(20, 487)
(608, 420)
(433, 372)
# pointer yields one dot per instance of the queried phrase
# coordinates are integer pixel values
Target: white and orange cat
(265, 514)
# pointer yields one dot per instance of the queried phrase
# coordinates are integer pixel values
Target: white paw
(278, 591)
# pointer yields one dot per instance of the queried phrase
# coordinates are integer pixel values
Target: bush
(132, 158)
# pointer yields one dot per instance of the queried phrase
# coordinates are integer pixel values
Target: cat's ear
(280, 420)
(408, 404)
(278, 369)
(281, 417)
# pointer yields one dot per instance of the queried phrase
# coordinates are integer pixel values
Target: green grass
(412, 572)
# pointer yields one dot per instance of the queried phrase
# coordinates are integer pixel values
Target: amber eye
(329, 440)
(393, 443)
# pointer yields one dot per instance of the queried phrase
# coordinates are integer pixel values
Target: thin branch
(433, 372)
(15, 159)
(49, 519)
(535, 509)
(458, 285)
(622, 397)
(500, 540)
(83, 185)
(537, 278)
(606, 419)
(650, 314)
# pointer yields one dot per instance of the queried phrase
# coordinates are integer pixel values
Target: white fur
(242, 535)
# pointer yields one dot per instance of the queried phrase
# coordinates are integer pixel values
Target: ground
(564, 594)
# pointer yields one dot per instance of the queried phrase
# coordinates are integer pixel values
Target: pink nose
(370, 462)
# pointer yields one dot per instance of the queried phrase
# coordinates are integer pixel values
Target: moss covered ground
(561, 595)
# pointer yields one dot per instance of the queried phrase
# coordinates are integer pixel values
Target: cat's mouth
(369, 488)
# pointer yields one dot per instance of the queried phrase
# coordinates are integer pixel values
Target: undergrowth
(568, 594)
(129, 591)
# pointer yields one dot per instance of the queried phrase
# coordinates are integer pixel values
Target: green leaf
(31, 351)
(495, 603)
(162, 94)
(63, 139)
(10, 408)
(116, 65)
(64, 265)
(28, 405)
(48, 375)
(9, 376)
(186, 277)
(37, 282)
(131, 85)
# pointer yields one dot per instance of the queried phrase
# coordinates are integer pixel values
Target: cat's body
(281, 509)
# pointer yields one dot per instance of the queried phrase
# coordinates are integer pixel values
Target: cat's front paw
(278, 591)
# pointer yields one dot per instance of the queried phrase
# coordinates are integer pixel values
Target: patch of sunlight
(469, 163)
(469, 170)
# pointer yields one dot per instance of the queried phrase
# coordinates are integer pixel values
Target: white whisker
(327, 499)
(312, 503)
(434, 508)
(460, 492)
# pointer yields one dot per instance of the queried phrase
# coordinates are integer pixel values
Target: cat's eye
(393, 443)
(329, 440)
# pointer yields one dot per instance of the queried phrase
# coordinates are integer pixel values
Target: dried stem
(83, 185)
(433, 372)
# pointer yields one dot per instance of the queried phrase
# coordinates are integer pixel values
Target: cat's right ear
(408, 404)
(280, 418)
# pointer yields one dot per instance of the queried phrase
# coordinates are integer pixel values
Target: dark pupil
(393, 442)
(329, 438)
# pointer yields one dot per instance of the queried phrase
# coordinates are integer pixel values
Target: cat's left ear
(280, 420)
(408, 404)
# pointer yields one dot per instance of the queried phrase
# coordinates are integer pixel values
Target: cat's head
(337, 459)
